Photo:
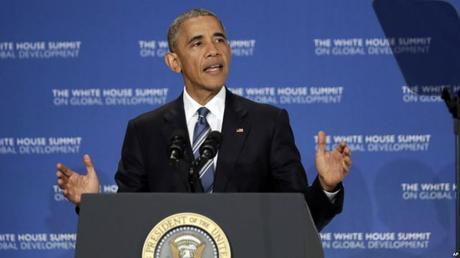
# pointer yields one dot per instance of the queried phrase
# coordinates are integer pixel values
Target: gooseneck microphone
(208, 150)
(211, 145)
(177, 146)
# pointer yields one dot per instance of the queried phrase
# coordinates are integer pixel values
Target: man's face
(203, 54)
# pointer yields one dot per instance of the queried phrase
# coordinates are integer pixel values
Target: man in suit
(257, 154)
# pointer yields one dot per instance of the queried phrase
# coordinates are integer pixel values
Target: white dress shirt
(215, 118)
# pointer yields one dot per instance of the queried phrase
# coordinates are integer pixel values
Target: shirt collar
(216, 105)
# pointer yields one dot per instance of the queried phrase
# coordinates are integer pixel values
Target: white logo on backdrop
(292, 94)
(371, 46)
(40, 49)
(109, 96)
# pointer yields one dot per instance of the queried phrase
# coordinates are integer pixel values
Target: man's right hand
(74, 184)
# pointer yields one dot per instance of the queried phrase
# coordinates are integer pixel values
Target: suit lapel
(235, 129)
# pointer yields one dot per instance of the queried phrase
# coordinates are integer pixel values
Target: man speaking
(257, 151)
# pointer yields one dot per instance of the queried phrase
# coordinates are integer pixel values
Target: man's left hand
(332, 166)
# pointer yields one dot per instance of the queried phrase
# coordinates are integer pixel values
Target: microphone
(208, 150)
(177, 146)
(210, 146)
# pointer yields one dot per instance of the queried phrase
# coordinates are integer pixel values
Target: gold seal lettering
(185, 220)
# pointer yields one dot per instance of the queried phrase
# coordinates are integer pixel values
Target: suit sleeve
(289, 174)
(131, 174)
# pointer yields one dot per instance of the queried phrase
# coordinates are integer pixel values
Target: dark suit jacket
(262, 158)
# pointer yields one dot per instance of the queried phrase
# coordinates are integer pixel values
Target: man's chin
(215, 87)
(214, 84)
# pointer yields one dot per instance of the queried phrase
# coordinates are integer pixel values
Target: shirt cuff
(331, 195)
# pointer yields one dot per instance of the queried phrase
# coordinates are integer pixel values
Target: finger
(61, 175)
(64, 170)
(341, 147)
(88, 164)
(321, 141)
(347, 161)
(347, 151)
(63, 179)
(346, 165)
(61, 183)
(336, 155)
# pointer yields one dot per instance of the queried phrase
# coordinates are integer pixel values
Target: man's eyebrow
(198, 37)
(220, 34)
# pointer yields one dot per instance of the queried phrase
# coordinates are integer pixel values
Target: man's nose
(212, 50)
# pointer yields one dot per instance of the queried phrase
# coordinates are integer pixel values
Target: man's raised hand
(74, 184)
(332, 166)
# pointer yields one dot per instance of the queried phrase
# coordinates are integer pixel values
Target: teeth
(214, 67)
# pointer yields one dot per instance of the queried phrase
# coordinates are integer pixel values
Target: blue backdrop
(72, 73)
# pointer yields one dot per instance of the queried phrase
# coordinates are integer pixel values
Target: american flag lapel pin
(240, 130)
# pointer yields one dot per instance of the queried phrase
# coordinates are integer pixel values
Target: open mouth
(213, 68)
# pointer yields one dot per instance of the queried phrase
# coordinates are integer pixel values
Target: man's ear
(173, 62)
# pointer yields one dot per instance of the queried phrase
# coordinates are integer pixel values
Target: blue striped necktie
(199, 135)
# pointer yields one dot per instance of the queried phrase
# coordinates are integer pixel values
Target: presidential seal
(186, 235)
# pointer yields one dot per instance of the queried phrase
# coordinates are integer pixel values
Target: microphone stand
(453, 104)
(193, 177)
